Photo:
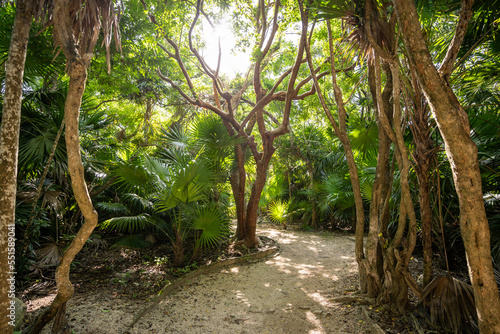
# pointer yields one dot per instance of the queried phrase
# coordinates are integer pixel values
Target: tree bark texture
(238, 181)
(314, 213)
(9, 147)
(310, 171)
(462, 154)
(251, 239)
(378, 211)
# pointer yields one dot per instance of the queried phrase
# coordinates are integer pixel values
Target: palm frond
(364, 139)
(137, 203)
(112, 209)
(97, 242)
(212, 134)
(132, 176)
(332, 9)
(450, 303)
(176, 137)
(128, 224)
(212, 223)
(175, 156)
(278, 211)
(50, 253)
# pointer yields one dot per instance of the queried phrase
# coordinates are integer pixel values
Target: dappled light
(241, 297)
(316, 322)
(248, 167)
(291, 292)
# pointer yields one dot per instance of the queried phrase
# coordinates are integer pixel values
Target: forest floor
(296, 289)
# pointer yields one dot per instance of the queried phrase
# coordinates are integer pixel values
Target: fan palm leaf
(212, 223)
(364, 139)
(450, 303)
(50, 253)
(210, 133)
(138, 203)
(112, 209)
(175, 137)
(133, 176)
(278, 211)
(129, 224)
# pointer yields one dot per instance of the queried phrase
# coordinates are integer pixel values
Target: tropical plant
(50, 253)
(210, 225)
(278, 212)
(450, 305)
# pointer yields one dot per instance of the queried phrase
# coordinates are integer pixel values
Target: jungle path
(289, 293)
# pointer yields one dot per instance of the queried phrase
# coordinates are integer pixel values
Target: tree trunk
(78, 75)
(396, 253)
(462, 154)
(423, 167)
(340, 130)
(310, 171)
(77, 71)
(424, 199)
(9, 147)
(238, 180)
(251, 239)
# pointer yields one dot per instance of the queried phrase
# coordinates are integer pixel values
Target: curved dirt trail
(289, 293)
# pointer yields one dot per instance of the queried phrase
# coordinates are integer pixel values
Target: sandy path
(290, 293)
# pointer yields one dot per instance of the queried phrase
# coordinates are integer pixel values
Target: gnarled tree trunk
(77, 65)
(462, 154)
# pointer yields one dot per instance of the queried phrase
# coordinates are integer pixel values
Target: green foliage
(276, 187)
(179, 272)
(173, 180)
(337, 196)
(40, 61)
(132, 175)
(213, 225)
(278, 211)
(332, 9)
(128, 224)
(111, 209)
(364, 141)
(214, 144)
